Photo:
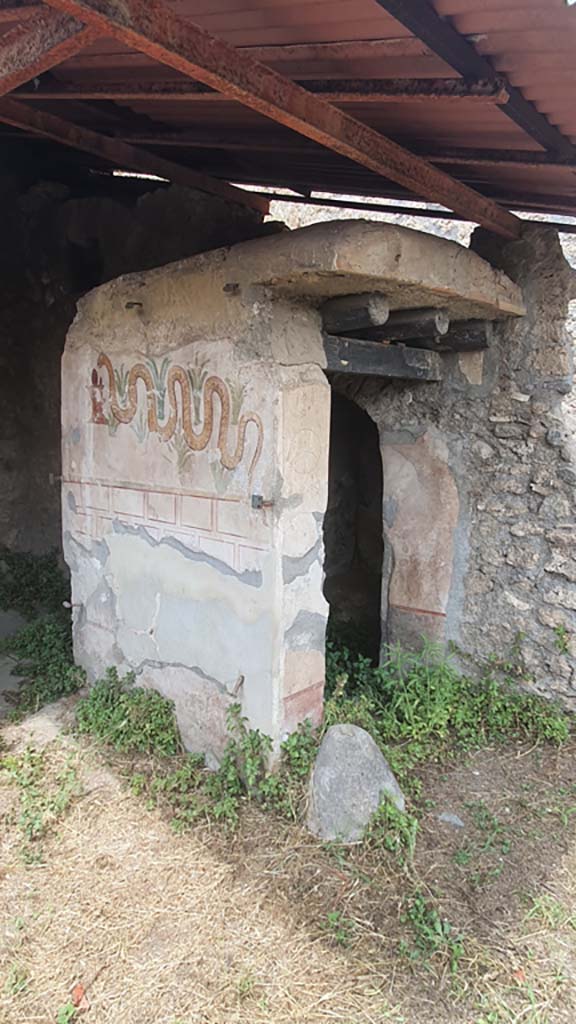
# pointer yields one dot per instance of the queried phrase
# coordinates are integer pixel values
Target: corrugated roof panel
(531, 41)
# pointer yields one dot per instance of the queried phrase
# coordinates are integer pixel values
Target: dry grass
(211, 929)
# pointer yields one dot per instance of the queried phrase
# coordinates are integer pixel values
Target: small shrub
(129, 718)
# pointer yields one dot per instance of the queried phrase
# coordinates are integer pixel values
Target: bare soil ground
(267, 925)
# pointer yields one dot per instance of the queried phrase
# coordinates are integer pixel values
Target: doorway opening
(353, 529)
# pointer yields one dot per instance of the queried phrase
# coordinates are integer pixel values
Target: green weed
(43, 797)
(129, 718)
(550, 911)
(394, 831)
(492, 839)
(43, 653)
(17, 980)
(66, 1013)
(418, 707)
(562, 638)
(339, 927)
(433, 936)
(191, 792)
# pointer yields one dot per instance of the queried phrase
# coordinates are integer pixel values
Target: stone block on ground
(349, 780)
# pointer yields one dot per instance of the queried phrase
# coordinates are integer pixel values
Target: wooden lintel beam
(121, 154)
(442, 38)
(407, 325)
(465, 336)
(360, 311)
(370, 359)
(341, 91)
(39, 43)
(150, 27)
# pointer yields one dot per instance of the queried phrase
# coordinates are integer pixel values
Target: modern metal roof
(486, 92)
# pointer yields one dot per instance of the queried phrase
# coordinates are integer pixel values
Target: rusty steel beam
(152, 28)
(275, 142)
(439, 34)
(11, 11)
(355, 49)
(351, 90)
(40, 43)
(121, 154)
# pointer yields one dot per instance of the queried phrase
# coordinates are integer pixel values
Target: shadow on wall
(353, 540)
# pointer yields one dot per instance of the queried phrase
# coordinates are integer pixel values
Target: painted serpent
(196, 441)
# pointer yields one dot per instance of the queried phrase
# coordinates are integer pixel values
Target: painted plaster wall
(175, 415)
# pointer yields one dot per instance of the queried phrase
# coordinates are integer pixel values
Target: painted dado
(196, 417)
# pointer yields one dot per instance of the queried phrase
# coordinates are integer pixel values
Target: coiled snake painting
(186, 427)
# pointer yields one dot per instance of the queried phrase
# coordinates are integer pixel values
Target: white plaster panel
(95, 496)
(127, 501)
(305, 440)
(161, 506)
(196, 512)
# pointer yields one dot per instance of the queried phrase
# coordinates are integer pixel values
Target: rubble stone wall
(480, 485)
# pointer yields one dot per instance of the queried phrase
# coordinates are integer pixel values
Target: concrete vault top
(413, 268)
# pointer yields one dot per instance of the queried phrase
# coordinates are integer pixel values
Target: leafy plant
(394, 831)
(551, 912)
(43, 797)
(66, 1013)
(433, 935)
(17, 980)
(129, 718)
(30, 583)
(188, 790)
(418, 706)
(339, 927)
(43, 653)
(562, 638)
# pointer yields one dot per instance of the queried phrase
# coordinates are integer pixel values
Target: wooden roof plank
(38, 44)
(122, 154)
(153, 29)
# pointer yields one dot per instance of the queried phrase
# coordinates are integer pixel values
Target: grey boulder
(349, 780)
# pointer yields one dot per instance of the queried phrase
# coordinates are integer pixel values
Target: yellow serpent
(196, 441)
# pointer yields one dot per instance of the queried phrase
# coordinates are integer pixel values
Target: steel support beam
(352, 90)
(440, 36)
(19, 11)
(121, 154)
(152, 28)
(38, 44)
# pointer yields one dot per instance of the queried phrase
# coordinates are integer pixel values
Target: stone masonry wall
(479, 485)
(54, 248)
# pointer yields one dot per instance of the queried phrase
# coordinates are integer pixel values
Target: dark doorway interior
(353, 537)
